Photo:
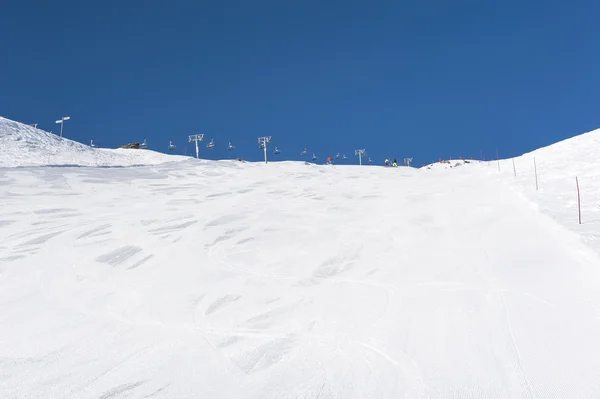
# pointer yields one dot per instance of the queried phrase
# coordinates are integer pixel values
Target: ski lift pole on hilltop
(196, 138)
(262, 144)
(360, 154)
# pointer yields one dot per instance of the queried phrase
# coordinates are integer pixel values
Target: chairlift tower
(407, 161)
(360, 154)
(62, 122)
(196, 138)
(262, 141)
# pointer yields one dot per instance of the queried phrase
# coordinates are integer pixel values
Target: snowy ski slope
(240, 280)
(24, 145)
(557, 166)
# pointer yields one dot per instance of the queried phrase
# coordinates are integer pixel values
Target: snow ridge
(23, 145)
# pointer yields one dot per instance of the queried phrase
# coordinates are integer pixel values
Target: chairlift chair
(304, 153)
(344, 157)
(92, 143)
(230, 147)
(211, 145)
(314, 157)
(172, 147)
(337, 156)
(276, 151)
(144, 145)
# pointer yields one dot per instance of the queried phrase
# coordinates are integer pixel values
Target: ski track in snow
(516, 349)
(223, 279)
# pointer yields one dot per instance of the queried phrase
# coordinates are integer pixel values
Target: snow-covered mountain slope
(233, 280)
(556, 166)
(24, 145)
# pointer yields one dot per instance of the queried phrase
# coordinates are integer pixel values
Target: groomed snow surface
(237, 280)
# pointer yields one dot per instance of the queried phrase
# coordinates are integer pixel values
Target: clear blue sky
(419, 78)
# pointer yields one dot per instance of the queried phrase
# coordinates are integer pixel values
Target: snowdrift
(24, 145)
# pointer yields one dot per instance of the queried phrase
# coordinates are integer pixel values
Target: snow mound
(24, 145)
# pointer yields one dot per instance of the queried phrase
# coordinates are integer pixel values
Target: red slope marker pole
(578, 199)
